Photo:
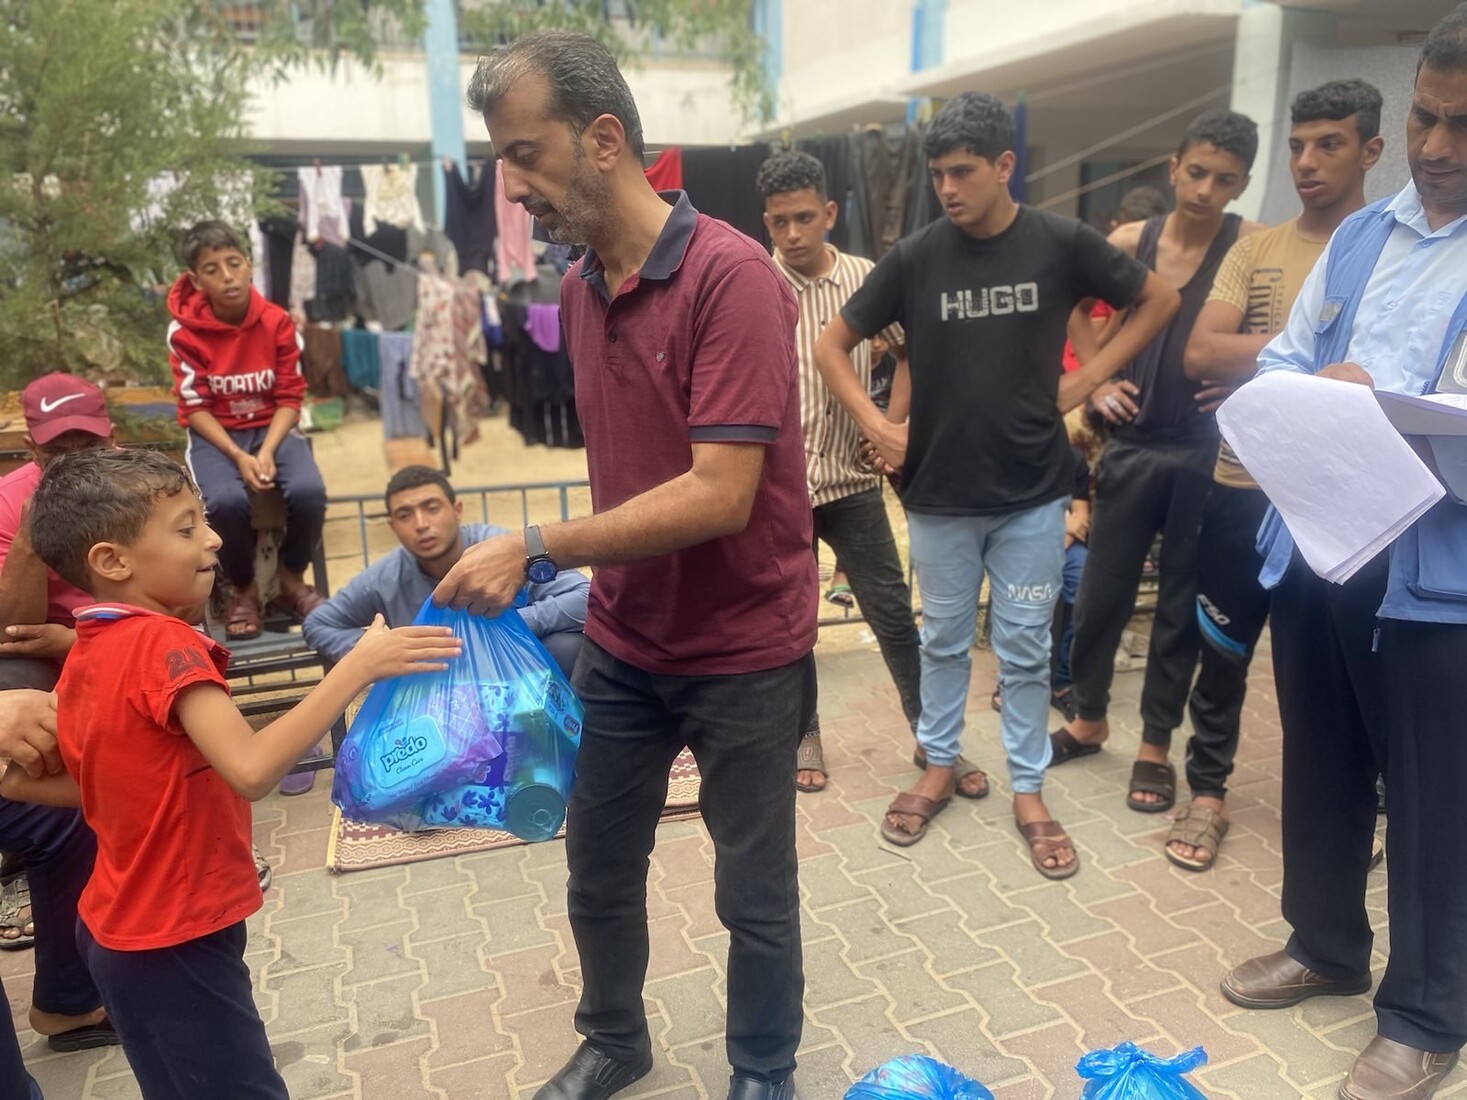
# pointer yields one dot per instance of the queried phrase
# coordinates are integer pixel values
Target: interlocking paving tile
(457, 979)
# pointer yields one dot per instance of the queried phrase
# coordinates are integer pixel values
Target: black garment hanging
(721, 182)
(887, 160)
(336, 289)
(469, 217)
(279, 231)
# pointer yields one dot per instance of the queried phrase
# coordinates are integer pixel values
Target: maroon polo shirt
(699, 346)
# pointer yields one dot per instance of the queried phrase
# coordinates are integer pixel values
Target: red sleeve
(290, 379)
(744, 366)
(190, 373)
(174, 656)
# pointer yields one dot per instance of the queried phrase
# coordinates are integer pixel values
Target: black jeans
(1353, 704)
(1142, 490)
(743, 731)
(1232, 608)
(858, 530)
(187, 1019)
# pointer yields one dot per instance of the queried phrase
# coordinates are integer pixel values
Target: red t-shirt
(16, 488)
(173, 840)
(699, 346)
(1098, 312)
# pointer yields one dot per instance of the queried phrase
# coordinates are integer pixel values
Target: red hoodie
(240, 373)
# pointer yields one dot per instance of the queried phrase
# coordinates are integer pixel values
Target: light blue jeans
(1024, 555)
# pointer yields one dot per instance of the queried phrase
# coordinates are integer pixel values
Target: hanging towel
(514, 259)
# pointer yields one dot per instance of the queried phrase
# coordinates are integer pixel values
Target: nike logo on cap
(52, 406)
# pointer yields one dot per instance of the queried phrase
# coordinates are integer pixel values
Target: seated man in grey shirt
(424, 514)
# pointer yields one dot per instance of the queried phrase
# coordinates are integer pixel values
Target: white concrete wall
(682, 102)
(997, 27)
(838, 50)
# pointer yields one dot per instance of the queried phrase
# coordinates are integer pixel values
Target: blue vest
(1428, 565)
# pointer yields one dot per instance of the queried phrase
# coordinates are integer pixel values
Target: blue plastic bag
(490, 742)
(916, 1077)
(1129, 1073)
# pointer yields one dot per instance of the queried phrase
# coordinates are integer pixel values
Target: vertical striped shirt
(833, 466)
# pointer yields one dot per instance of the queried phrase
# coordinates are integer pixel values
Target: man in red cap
(63, 412)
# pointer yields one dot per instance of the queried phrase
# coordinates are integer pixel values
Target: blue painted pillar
(929, 19)
(445, 93)
(768, 22)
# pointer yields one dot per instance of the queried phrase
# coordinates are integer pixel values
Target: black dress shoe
(747, 1088)
(591, 1075)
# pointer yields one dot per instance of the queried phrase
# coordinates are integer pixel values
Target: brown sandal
(242, 612)
(1046, 839)
(962, 768)
(1149, 777)
(810, 759)
(300, 604)
(914, 805)
(1201, 827)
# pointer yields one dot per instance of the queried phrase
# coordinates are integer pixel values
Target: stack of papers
(1341, 476)
(1429, 414)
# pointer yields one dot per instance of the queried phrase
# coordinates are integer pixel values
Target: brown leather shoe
(1277, 981)
(1387, 1070)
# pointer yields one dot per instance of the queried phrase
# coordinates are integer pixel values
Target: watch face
(542, 571)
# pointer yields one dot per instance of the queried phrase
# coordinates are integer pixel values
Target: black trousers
(1354, 702)
(858, 530)
(1142, 490)
(187, 1019)
(744, 731)
(1232, 608)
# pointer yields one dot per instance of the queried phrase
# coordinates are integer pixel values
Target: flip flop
(1148, 777)
(914, 805)
(962, 768)
(1045, 838)
(1063, 748)
(84, 1038)
(810, 759)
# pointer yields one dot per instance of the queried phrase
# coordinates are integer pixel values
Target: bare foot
(54, 1023)
(1153, 754)
(1189, 851)
(935, 783)
(1087, 732)
(1029, 808)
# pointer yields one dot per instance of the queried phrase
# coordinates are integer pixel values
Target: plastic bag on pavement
(489, 742)
(1127, 1072)
(916, 1077)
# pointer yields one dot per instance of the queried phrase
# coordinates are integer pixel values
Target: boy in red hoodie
(237, 376)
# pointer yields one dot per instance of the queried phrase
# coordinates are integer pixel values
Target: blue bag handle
(1103, 1064)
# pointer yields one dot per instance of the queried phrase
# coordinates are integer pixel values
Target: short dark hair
(415, 477)
(584, 80)
(1445, 48)
(1225, 130)
(790, 171)
(1140, 203)
(98, 495)
(975, 121)
(1338, 100)
(210, 234)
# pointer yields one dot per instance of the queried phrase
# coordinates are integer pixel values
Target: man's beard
(582, 212)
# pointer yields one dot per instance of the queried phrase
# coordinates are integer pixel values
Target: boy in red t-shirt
(236, 362)
(161, 763)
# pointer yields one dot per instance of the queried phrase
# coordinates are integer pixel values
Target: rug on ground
(355, 846)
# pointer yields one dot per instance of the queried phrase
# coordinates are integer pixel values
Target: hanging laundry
(514, 259)
(398, 393)
(666, 172)
(323, 211)
(447, 324)
(279, 232)
(302, 275)
(543, 325)
(259, 265)
(888, 163)
(321, 361)
(336, 288)
(722, 183)
(359, 359)
(436, 243)
(469, 217)
(392, 197)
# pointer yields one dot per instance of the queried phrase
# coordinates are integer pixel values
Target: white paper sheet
(1341, 476)
(1429, 414)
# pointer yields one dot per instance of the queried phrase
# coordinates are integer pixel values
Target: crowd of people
(726, 400)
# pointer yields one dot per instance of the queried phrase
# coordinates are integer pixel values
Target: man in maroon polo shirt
(702, 612)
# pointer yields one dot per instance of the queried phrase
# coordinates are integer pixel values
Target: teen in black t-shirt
(985, 295)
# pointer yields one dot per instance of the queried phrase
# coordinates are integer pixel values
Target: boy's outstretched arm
(253, 763)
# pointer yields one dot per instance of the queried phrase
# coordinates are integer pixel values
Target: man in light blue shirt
(425, 515)
(1368, 673)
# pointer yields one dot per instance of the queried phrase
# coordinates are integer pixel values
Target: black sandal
(1148, 777)
(1063, 748)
